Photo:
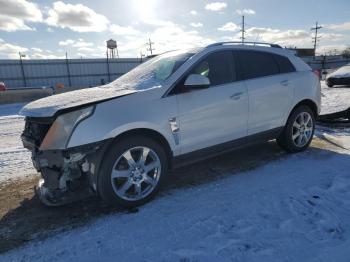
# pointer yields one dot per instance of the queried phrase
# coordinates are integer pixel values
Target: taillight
(317, 73)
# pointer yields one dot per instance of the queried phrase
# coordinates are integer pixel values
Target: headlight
(61, 130)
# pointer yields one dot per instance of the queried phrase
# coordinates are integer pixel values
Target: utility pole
(150, 43)
(68, 71)
(243, 30)
(142, 55)
(22, 68)
(116, 48)
(316, 38)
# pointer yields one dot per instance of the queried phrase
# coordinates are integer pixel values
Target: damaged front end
(68, 174)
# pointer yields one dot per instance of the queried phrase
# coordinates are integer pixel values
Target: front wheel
(132, 171)
(299, 130)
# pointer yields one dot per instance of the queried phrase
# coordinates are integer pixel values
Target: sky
(48, 29)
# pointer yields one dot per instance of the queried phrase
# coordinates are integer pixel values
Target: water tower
(112, 49)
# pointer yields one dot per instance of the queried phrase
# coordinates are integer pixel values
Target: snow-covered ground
(296, 208)
(15, 161)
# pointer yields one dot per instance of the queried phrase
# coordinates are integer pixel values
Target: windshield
(155, 71)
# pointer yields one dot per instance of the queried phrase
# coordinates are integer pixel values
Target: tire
(329, 84)
(288, 140)
(133, 183)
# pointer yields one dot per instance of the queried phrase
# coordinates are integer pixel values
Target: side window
(218, 67)
(257, 64)
(284, 64)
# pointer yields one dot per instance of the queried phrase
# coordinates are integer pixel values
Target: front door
(217, 114)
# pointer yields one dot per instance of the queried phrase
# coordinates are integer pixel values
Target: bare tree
(346, 52)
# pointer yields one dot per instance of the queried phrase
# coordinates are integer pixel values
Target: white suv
(119, 140)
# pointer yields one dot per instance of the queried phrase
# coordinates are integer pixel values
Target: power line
(150, 43)
(316, 38)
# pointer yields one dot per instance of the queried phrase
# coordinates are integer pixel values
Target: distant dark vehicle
(2, 86)
(339, 77)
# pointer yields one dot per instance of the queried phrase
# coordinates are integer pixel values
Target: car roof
(263, 48)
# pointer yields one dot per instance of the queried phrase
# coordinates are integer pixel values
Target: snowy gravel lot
(15, 161)
(293, 208)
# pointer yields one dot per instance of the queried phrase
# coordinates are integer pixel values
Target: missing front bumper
(54, 198)
(67, 175)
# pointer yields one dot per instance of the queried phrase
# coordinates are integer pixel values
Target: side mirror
(197, 81)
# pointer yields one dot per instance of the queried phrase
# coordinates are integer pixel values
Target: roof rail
(245, 43)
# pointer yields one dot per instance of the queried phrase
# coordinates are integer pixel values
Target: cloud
(66, 42)
(193, 12)
(158, 22)
(245, 11)
(21, 9)
(327, 49)
(79, 18)
(291, 37)
(174, 37)
(339, 27)
(261, 30)
(216, 6)
(229, 27)
(15, 13)
(82, 43)
(123, 30)
(196, 24)
(165, 38)
(331, 36)
(11, 24)
(35, 49)
(38, 53)
(86, 49)
(73, 43)
(8, 50)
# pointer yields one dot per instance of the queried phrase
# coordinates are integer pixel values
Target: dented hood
(49, 106)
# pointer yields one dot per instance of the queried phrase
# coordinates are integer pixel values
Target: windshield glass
(155, 71)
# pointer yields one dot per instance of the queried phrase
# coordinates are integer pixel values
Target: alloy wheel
(136, 173)
(302, 129)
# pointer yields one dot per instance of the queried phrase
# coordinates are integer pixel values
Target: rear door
(270, 91)
(216, 114)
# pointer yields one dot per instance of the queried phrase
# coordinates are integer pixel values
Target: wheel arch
(146, 132)
(309, 103)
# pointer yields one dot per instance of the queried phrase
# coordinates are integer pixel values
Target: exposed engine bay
(67, 175)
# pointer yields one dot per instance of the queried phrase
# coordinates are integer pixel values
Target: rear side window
(218, 67)
(257, 64)
(284, 64)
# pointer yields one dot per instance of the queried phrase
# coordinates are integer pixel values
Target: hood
(341, 72)
(48, 106)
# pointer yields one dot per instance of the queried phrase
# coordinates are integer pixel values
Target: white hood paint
(48, 106)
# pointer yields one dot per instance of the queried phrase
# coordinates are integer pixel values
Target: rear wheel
(132, 172)
(298, 133)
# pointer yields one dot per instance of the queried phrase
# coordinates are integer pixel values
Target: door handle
(285, 82)
(236, 96)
